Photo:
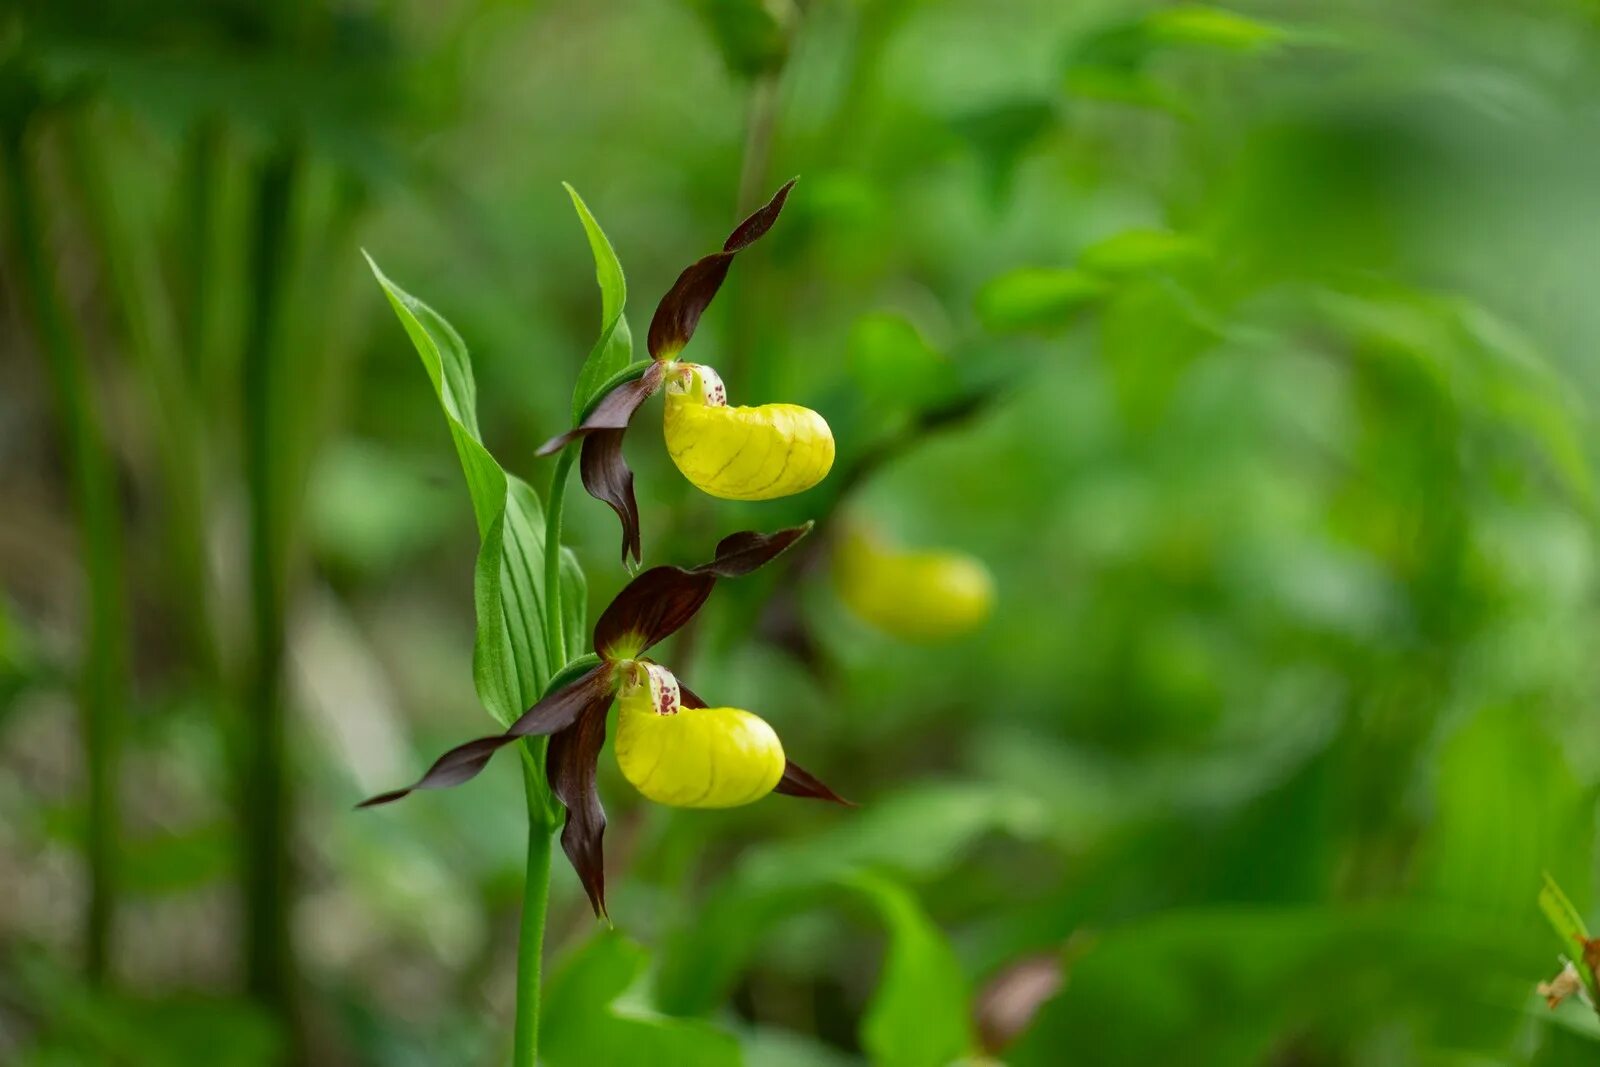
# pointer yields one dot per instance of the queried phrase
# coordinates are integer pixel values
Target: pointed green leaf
(919, 1013)
(1572, 930)
(1035, 298)
(1137, 251)
(510, 664)
(614, 350)
(1211, 27)
(590, 1016)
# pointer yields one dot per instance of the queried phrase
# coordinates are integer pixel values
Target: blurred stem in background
(200, 211)
(269, 954)
(149, 333)
(103, 684)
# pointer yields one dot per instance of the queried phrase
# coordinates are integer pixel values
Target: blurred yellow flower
(924, 595)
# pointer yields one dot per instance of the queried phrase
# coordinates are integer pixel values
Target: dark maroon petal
(756, 226)
(689, 698)
(607, 477)
(570, 766)
(799, 782)
(656, 603)
(649, 608)
(613, 412)
(550, 715)
(679, 311)
(739, 554)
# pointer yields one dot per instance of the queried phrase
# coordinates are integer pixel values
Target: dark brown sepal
(649, 609)
(740, 553)
(614, 410)
(760, 221)
(799, 782)
(656, 603)
(552, 714)
(679, 311)
(571, 763)
(607, 477)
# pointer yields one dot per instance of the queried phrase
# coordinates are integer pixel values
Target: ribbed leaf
(510, 664)
(614, 349)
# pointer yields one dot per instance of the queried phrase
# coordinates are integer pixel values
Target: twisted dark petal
(605, 473)
(571, 764)
(739, 554)
(554, 713)
(689, 698)
(799, 782)
(613, 412)
(650, 608)
(679, 311)
(760, 221)
(656, 603)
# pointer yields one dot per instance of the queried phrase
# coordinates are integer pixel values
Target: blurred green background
(1251, 351)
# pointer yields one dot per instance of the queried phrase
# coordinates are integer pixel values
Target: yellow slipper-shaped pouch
(742, 453)
(692, 757)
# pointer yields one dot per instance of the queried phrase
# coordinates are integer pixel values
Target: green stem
(94, 488)
(535, 906)
(201, 220)
(269, 959)
(149, 337)
(555, 635)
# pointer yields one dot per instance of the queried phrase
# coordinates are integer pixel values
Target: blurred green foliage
(1251, 349)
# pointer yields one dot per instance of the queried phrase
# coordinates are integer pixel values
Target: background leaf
(919, 1015)
(1036, 298)
(591, 1017)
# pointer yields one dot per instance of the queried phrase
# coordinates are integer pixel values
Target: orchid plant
(529, 590)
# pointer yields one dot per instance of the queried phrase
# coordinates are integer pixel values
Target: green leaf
(1036, 298)
(1507, 805)
(1220, 986)
(1002, 133)
(919, 1014)
(574, 603)
(1211, 27)
(591, 1016)
(749, 36)
(917, 835)
(1112, 63)
(1138, 251)
(510, 664)
(1570, 927)
(614, 350)
(894, 367)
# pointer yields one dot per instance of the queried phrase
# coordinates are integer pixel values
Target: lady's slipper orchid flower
(737, 453)
(670, 745)
(922, 595)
